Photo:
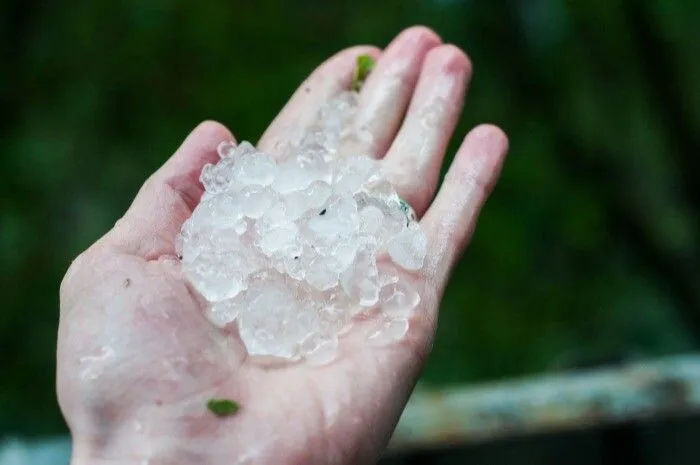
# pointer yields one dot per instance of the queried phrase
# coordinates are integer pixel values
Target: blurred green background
(587, 253)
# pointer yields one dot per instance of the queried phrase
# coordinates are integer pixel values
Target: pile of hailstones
(293, 251)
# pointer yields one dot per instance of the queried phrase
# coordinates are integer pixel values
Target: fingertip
(198, 149)
(450, 58)
(491, 133)
(340, 61)
(213, 128)
(480, 156)
(419, 33)
(209, 132)
(452, 217)
(478, 161)
(366, 49)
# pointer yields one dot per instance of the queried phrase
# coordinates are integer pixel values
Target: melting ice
(292, 250)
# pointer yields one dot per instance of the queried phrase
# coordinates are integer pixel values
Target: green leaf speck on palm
(365, 65)
(222, 407)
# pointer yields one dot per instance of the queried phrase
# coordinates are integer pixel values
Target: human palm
(138, 360)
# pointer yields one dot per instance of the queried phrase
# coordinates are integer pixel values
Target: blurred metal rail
(651, 389)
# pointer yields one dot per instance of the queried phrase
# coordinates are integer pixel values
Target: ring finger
(415, 157)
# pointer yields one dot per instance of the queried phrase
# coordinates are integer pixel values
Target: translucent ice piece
(217, 178)
(311, 198)
(225, 312)
(398, 299)
(361, 280)
(226, 149)
(297, 173)
(371, 220)
(283, 236)
(254, 200)
(353, 173)
(214, 278)
(321, 351)
(408, 248)
(275, 323)
(254, 169)
(338, 219)
(322, 273)
(389, 332)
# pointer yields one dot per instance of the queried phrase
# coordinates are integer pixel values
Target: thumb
(168, 197)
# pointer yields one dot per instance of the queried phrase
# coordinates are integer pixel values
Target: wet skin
(137, 360)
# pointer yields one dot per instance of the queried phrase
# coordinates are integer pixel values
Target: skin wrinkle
(324, 421)
(188, 191)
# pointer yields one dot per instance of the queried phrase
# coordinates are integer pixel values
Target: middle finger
(385, 96)
(413, 162)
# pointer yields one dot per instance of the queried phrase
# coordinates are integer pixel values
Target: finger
(167, 198)
(329, 79)
(413, 162)
(388, 89)
(450, 220)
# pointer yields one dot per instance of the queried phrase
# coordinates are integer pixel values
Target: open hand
(137, 359)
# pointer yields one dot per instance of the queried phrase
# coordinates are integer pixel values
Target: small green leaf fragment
(222, 407)
(365, 65)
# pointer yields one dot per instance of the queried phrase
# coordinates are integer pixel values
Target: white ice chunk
(215, 278)
(313, 197)
(371, 220)
(255, 200)
(282, 237)
(298, 173)
(287, 250)
(398, 299)
(409, 247)
(226, 149)
(217, 178)
(275, 323)
(321, 350)
(361, 280)
(322, 273)
(254, 168)
(390, 331)
(276, 214)
(353, 173)
(335, 221)
(225, 312)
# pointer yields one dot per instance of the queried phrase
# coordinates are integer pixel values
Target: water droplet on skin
(93, 365)
(391, 331)
(226, 148)
(432, 114)
(324, 353)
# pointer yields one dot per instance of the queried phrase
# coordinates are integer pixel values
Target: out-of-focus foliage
(587, 251)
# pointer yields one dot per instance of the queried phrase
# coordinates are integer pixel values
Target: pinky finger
(450, 220)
